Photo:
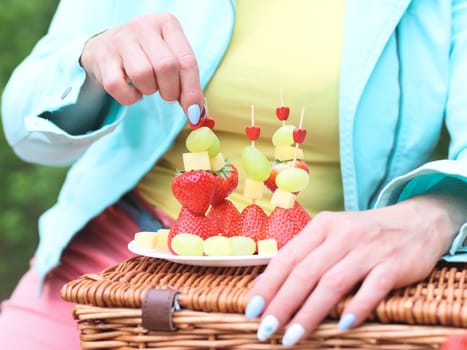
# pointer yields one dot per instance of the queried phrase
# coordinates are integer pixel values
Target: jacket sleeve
(429, 175)
(49, 81)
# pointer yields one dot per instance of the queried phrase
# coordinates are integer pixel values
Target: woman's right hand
(147, 54)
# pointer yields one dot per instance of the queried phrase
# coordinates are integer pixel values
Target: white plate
(247, 260)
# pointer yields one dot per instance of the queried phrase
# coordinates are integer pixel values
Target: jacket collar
(367, 29)
(368, 26)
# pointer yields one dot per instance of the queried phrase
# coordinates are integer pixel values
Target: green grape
(215, 147)
(200, 140)
(187, 244)
(242, 245)
(255, 163)
(292, 179)
(217, 246)
(283, 136)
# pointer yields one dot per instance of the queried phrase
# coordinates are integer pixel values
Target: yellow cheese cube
(163, 239)
(267, 246)
(146, 239)
(196, 161)
(217, 162)
(283, 199)
(253, 189)
(284, 153)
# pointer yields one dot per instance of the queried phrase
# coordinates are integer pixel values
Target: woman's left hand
(382, 249)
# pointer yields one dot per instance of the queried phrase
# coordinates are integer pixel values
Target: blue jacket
(403, 76)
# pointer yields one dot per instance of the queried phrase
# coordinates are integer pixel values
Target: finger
(298, 285)
(379, 282)
(116, 83)
(280, 267)
(332, 287)
(190, 86)
(165, 66)
(138, 68)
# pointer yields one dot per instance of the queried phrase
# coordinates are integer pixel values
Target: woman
(378, 82)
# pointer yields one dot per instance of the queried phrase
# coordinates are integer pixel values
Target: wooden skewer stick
(282, 101)
(300, 126)
(252, 122)
(300, 123)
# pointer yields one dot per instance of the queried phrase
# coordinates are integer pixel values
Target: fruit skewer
(254, 163)
(282, 112)
(299, 135)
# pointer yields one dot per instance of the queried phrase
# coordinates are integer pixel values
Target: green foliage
(27, 190)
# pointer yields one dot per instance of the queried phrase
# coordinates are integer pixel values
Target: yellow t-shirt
(290, 45)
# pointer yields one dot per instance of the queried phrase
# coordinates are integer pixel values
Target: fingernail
(259, 277)
(267, 327)
(293, 334)
(346, 322)
(254, 307)
(194, 114)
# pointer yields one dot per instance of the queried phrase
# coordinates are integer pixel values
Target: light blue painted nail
(267, 327)
(254, 307)
(194, 114)
(346, 322)
(293, 334)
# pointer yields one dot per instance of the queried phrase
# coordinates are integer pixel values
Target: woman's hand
(145, 55)
(383, 248)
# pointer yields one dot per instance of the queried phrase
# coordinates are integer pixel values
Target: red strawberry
(253, 222)
(210, 122)
(253, 132)
(201, 123)
(278, 166)
(226, 183)
(225, 217)
(282, 113)
(300, 216)
(194, 190)
(299, 135)
(281, 226)
(189, 222)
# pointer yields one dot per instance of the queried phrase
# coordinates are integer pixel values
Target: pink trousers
(29, 321)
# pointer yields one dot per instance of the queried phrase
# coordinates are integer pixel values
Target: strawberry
(281, 226)
(226, 183)
(278, 166)
(284, 224)
(225, 216)
(253, 222)
(189, 222)
(194, 190)
(300, 217)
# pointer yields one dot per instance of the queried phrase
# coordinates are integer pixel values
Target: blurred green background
(26, 189)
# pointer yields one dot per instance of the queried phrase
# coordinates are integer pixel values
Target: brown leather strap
(158, 305)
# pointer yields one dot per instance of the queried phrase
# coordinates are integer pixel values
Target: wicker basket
(109, 310)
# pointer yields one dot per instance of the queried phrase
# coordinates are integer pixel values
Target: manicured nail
(346, 322)
(267, 327)
(254, 307)
(194, 114)
(293, 334)
(259, 277)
